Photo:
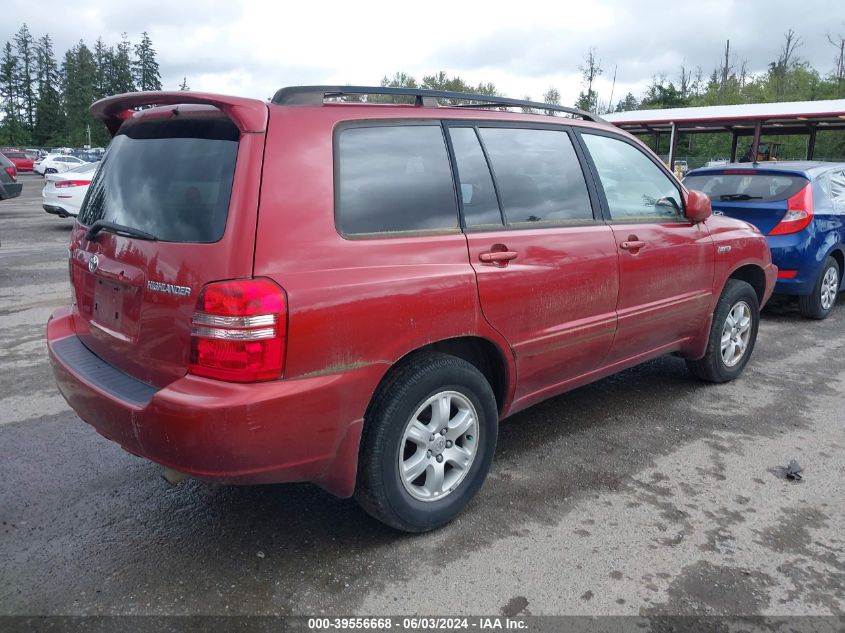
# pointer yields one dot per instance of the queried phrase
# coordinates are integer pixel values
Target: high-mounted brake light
(798, 215)
(12, 171)
(60, 184)
(238, 331)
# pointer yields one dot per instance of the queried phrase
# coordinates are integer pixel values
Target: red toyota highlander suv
(356, 294)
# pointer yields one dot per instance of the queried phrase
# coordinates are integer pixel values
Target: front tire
(732, 334)
(819, 303)
(429, 438)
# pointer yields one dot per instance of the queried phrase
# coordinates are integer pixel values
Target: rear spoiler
(250, 115)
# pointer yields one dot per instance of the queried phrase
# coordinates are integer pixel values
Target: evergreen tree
(80, 87)
(184, 85)
(25, 47)
(145, 66)
(121, 78)
(104, 61)
(12, 131)
(628, 103)
(49, 118)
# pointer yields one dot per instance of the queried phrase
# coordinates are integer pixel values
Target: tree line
(787, 77)
(44, 102)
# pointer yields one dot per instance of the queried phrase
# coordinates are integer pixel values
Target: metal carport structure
(748, 119)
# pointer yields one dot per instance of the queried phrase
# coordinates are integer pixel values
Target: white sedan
(56, 164)
(63, 193)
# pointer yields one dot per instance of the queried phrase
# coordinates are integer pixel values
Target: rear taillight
(61, 184)
(799, 213)
(238, 331)
(12, 171)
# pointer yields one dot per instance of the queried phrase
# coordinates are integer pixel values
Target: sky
(252, 48)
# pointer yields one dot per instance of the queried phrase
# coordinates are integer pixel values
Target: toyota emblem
(93, 263)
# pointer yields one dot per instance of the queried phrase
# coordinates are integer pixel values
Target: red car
(22, 160)
(355, 295)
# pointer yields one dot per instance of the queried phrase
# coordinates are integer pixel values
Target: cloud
(252, 48)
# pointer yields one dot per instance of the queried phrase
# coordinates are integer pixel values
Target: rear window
(87, 168)
(15, 155)
(394, 178)
(172, 179)
(763, 187)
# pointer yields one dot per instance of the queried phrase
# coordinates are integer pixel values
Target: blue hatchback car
(800, 207)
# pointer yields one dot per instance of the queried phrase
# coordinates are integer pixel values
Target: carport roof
(828, 114)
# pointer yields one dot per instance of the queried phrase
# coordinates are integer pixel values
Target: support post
(673, 146)
(734, 139)
(811, 143)
(755, 144)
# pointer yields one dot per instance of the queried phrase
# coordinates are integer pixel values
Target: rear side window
(750, 186)
(172, 179)
(394, 178)
(837, 190)
(538, 175)
(478, 195)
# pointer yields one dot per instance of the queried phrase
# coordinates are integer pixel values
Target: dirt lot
(647, 492)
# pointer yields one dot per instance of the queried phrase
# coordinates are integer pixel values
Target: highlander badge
(170, 289)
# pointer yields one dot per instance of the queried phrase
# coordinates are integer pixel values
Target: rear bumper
(10, 190)
(59, 211)
(802, 252)
(305, 429)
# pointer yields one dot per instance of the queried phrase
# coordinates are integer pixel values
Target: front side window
(394, 178)
(538, 175)
(635, 188)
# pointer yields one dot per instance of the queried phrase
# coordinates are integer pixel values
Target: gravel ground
(645, 493)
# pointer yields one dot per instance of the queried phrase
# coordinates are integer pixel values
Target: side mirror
(697, 206)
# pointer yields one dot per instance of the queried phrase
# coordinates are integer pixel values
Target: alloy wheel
(736, 333)
(438, 446)
(830, 286)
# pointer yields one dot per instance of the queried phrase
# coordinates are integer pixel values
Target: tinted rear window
(172, 179)
(394, 178)
(739, 187)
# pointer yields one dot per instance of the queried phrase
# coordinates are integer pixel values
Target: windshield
(171, 179)
(750, 186)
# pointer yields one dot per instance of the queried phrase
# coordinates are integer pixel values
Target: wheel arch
(754, 276)
(480, 352)
(838, 253)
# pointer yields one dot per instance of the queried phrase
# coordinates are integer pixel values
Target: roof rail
(315, 95)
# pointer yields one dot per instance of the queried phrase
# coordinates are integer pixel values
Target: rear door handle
(499, 258)
(632, 245)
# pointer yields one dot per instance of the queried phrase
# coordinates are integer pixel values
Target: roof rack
(315, 95)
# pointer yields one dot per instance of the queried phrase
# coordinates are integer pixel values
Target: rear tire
(731, 338)
(429, 438)
(819, 303)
